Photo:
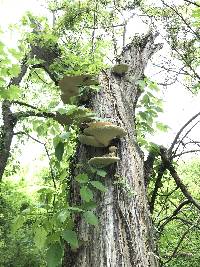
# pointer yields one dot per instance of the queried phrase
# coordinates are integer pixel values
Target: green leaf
(71, 237)
(141, 83)
(2, 48)
(14, 70)
(65, 136)
(146, 99)
(86, 193)
(101, 173)
(90, 218)
(153, 86)
(98, 185)
(40, 237)
(89, 205)
(63, 215)
(59, 150)
(54, 255)
(18, 222)
(162, 127)
(14, 92)
(82, 178)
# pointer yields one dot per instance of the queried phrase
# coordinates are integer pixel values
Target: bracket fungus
(120, 69)
(105, 132)
(89, 140)
(100, 162)
(69, 85)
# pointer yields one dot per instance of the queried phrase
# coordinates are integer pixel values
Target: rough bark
(124, 236)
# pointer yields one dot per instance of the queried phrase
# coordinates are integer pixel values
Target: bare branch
(185, 135)
(168, 165)
(183, 19)
(180, 131)
(193, 3)
(186, 152)
(175, 212)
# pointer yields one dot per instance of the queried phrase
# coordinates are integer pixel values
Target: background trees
(85, 38)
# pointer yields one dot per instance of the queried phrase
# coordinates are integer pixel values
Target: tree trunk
(124, 235)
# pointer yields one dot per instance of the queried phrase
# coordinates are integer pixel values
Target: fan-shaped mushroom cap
(69, 85)
(120, 68)
(100, 162)
(71, 92)
(105, 133)
(99, 123)
(89, 140)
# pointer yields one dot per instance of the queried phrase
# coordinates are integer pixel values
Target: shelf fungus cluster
(100, 134)
(70, 86)
(120, 69)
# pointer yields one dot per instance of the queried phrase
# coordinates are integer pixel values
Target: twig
(46, 150)
(186, 152)
(180, 131)
(196, 34)
(185, 136)
(41, 66)
(193, 3)
(175, 212)
(168, 165)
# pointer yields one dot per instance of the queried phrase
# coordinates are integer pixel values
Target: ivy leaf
(71, 237)
(90, 218)
(98, 185)
(59, 150)
(82, 178)
(54, 255)
(86, 193)
(40, 237)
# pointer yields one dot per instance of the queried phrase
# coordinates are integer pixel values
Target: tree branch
(180, 131)
(175, 212)
(193, 3)
(168, 165)
(161, 171)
